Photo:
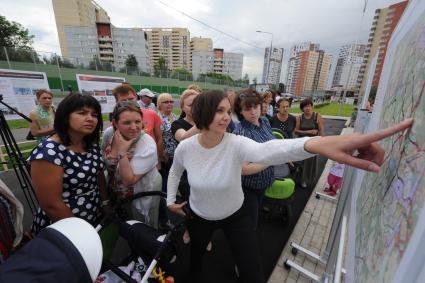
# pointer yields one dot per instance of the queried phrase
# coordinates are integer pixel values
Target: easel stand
(16, 160)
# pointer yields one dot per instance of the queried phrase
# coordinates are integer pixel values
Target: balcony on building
(104, 39)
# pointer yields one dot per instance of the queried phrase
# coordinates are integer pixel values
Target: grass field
(330, 109)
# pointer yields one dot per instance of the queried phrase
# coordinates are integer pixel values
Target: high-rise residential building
(86, 35)
(200, 47)
(201, 44)
(311, 72)
(272, 67)
(383, 25)
(292, 63)
(202, 63)
(78, 13)
(217, 61)
(173, 44)
(348, 65)
(232, 65)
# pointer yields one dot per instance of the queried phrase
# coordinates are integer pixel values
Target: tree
(131, 61)
(18, 42)
(13, 34)
(161, 68)
(245, 78)
(182, 74)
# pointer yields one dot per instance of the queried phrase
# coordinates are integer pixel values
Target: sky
(331, 23)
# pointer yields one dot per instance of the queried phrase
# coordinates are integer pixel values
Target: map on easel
(389, 205)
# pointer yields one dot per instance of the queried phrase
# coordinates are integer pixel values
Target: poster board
(388, 208)
(18, 89)
(101, 88)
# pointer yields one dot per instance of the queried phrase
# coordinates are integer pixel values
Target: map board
(388, 208)
(18, 89)
(101, 88)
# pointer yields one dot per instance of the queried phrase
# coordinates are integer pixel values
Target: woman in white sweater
(213, 160)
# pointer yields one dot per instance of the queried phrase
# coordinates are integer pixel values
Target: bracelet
(105, 202)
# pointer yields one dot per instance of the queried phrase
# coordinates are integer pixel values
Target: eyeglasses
(168, 102)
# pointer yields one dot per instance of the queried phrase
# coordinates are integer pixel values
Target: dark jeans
(253, 201)
(242, 241)
(165, 170)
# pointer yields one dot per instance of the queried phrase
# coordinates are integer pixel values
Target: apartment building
(292, 63)
(350, 59)
(311, 72)
(173, 44)
(77, 13)
(384, 22)
(272, 67)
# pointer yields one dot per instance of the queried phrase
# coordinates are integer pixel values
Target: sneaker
(327, 190)
(331, 193)
(209, 247)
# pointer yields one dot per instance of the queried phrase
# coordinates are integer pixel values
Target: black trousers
(239, 231)
(253, 201)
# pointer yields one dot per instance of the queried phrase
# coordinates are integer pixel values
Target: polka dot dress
(80, 187)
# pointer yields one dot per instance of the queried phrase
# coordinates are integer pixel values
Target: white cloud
(331, 23)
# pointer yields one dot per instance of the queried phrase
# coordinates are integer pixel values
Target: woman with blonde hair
(42, 116)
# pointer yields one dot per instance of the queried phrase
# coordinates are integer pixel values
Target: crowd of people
(214, 161)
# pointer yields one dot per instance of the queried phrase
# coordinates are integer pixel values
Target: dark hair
(123, 89)
(205, 106)
(248, 98)
(41, 91)
(283, 99)
(306, 102)
(122, 106)
(72, 103)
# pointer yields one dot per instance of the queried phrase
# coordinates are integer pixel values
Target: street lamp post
(270, 54)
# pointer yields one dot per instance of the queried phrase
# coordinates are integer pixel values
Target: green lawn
(331, 109)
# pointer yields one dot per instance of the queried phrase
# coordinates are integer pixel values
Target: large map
(389, 204)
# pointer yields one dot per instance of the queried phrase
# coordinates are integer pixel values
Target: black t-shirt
(180, 124)
(287, 127)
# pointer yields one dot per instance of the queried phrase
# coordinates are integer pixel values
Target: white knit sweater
(214, 174)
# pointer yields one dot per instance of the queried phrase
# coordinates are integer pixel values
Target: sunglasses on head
(127, 103)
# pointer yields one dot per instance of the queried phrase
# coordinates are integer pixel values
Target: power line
(209, 26)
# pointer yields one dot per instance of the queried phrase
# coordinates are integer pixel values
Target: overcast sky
(331, 23)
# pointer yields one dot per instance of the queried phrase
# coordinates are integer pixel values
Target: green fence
(61, 78)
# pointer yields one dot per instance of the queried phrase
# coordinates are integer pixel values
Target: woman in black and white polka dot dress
(67, 168)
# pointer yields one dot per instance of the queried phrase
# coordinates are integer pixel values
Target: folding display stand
(337, 234)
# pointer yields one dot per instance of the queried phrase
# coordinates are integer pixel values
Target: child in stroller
(148, 244)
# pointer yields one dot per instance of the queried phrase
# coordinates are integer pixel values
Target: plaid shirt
(263, 133)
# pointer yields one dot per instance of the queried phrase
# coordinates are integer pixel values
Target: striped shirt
(263, 133)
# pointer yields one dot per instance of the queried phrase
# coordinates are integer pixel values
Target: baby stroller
(145, 243)
(279, 196)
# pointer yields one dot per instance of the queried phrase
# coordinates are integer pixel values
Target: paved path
(311, 232)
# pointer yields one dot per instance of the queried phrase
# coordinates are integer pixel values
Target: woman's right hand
(177, 208)
(122, 145)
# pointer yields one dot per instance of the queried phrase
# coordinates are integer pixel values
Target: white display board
(101, 88)
(388, 219)
(18, 89)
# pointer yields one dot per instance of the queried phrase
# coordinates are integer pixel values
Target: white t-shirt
(337, 169)
(214, 174)
(144, 161)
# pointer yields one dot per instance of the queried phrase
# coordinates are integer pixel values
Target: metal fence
(29, 59)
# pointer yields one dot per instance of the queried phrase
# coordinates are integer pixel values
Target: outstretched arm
(341, 148)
